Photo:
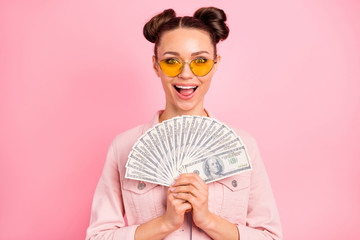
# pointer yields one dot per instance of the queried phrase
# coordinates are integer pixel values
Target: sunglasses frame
(183, 64)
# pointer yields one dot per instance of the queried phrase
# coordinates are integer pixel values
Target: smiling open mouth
(185, 90)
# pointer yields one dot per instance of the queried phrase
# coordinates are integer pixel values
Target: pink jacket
(245, 199)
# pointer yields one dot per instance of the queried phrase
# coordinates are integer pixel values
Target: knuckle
(169, 198)
(193, 176)
(185, 196)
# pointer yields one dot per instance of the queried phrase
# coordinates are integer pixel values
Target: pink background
(73, 74)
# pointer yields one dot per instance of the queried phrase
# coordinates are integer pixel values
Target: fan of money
(187, 144)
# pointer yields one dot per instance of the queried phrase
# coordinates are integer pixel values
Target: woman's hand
(189, 192)
(189, 187)
(160, 227)
(175, 211)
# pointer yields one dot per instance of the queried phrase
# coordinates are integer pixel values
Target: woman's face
(185, 92)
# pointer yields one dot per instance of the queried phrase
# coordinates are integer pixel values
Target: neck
(172, 112)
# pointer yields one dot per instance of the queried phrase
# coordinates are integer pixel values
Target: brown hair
(209, 19)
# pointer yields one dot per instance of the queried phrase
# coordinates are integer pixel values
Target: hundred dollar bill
(146, 156)
(192, 135)
(142, 171)
(209, 128)
(161, 134)
(218, 148)
(187, 144)
(138, 158)
(214, 144)
(219, 166)
(177, 139)
(145, 167)
(135, 175)
(208, 137)
(184, 136)
(161, 155)
(169, 130)
(199, 122)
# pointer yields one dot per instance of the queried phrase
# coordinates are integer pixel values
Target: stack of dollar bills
(187, 144)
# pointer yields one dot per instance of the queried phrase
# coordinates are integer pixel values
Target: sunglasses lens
(171, 67)
(201, 66)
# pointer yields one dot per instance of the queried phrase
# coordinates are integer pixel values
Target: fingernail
(175, 194)
(172, 189)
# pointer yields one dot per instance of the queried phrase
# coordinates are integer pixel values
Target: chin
(186, 107)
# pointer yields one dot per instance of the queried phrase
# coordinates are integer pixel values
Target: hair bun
(151, 28)
(214, 18)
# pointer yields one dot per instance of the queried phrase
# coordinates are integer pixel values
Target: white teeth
(185, 87)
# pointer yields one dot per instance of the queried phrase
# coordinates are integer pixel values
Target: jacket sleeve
(263, 221)
(107, 212)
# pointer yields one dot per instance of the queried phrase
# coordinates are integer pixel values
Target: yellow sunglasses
(174, 66)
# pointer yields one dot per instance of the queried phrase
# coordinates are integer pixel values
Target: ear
(155, 66)
(217, 59)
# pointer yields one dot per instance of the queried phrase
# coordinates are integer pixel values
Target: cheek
(165, 82)
(206, 82)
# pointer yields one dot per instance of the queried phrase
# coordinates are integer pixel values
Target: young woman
(237, 207)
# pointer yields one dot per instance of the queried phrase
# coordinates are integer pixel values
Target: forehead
(212, 160)
(185, 41)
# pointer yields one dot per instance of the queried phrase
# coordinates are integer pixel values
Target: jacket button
(234, 183)
(141, 185)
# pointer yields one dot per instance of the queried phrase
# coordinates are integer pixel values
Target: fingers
(190, 187)
(186, 197)
(179, 205)
(175, 211)
(184, 207)
(192, 180)
(186, 192)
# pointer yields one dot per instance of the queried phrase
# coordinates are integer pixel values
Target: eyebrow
(193, 54)
(198, 53)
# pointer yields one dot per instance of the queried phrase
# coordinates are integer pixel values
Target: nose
(186, 73)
